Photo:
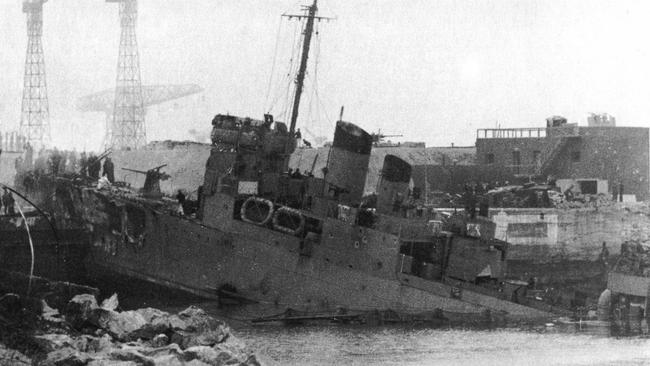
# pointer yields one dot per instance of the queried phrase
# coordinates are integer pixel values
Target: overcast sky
(432, 70)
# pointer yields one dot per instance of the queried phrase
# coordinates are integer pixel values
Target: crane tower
(127, 129)
(35, 114)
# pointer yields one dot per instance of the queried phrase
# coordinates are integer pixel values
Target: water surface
(403, 345)
(342, 345)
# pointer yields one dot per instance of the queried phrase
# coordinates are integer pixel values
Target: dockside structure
(598, 158)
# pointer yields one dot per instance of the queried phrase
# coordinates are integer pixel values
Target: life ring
(288, 220)
(256, 211)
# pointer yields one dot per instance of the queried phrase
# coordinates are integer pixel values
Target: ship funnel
(347, 164)
(393, 187)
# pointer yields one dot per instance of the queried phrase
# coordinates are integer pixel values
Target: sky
(430, 70)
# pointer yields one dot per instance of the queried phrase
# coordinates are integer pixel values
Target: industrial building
(598, 158)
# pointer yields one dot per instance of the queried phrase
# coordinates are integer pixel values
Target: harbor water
(337, 345)
(328, 344)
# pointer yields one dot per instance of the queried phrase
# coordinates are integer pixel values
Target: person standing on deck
(109, 170)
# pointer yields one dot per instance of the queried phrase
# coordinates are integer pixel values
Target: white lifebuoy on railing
(295, 217)
(257, 202)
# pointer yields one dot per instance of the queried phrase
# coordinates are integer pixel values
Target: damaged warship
(264, 238)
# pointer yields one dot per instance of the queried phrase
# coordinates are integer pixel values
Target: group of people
(296, 174)
(60, 162)
(8, 203)
(92, 166)
(475, 194)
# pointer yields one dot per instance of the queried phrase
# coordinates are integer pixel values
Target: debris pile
(634, 258)
(86, 333)
(584, 201)
(530, 195)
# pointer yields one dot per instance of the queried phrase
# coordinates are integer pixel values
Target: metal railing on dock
(510, 133)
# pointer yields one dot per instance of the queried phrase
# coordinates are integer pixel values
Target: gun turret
(152, 180)
(379, 137)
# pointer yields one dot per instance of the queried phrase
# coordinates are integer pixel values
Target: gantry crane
(104, 101)
(127, 129)
(35, 111)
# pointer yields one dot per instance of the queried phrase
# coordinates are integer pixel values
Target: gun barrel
(134, 170)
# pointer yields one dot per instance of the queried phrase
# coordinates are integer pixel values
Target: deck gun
(152, 180)
(379, 137)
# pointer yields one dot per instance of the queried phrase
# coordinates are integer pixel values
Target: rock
(234, 346)
(12, 357)
(88, 344)
(176, 323)
(160, 340)
(168, 360)
(252, 361)
(124, 326)
(158, 322)
(171, 349)
(51, 342)
(99, 344)
(130, 325)
(232, 351)
(238, 350)
(66, 356)
(104, 362)
(80, 310)
(196, 363)
(206, 355)
(201, 329)
(50, 314)
(111, 303)
(131, 355)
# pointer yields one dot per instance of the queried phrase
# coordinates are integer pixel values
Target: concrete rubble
(85, 333)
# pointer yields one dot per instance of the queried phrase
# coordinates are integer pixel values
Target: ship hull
(267, 270)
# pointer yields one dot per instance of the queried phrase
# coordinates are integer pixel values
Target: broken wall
(553, 235)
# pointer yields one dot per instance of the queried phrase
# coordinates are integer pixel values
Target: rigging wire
(313, 77)
(320, 106)
(299, 31)
(31, 249)
(284, 92)
(275, 54)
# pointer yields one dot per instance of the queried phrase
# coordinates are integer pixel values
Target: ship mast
(300, 78)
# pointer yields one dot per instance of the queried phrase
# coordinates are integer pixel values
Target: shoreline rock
(89, 334)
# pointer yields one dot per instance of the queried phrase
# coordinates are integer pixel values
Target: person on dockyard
(180, 196)
(620, 191)
(18, 164)
(109, 170)
(603, 257)
(8, 202)
(94, 166)
(29, 156)
(103, 182)
(83, 164)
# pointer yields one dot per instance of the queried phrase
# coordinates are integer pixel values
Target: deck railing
(510, 133)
